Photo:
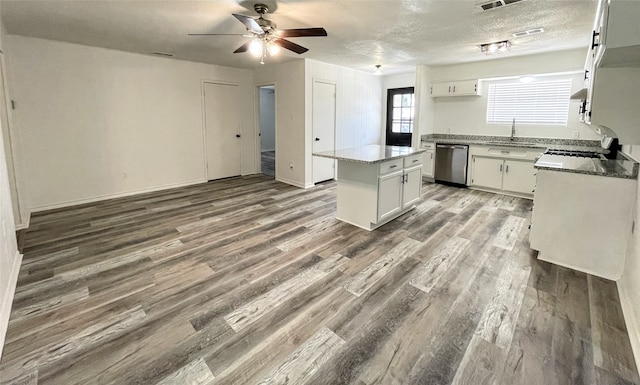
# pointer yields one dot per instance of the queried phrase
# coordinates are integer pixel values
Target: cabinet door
(486, 172)
(428, 163)
(389, 194)
(411, 187)
(441, 89)
(519, 176)
(468, 87)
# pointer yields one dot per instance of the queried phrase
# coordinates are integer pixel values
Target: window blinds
(537, 103)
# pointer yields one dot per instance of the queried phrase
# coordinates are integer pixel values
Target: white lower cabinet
(429, 160)
(411, 187)
(503, 169)
(519, 176)
(370, 195)
(390, 194)
(486, 172)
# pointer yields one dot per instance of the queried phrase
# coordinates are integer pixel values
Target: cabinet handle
(454, 89)
(431, 155)
(393, 166)
(586, 74)
(449, 89)
(593, 39)
(506, 168)
(414, 161)
(500, 168)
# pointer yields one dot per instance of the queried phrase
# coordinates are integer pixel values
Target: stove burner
(578, 154)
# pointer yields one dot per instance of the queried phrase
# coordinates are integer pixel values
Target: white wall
(358, 112)
(288, 79)
(10, 258)
(358, 107)
(425, 103)
(467, 114)
(267, 119)
(87, 116)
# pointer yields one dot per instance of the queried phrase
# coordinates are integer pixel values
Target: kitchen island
(376, 184)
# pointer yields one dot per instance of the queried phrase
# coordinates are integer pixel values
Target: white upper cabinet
(618, 36)
(457, 88)
(612, 73)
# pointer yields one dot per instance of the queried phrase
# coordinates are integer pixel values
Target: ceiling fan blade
(243, 48)
(291, 46)
(302, 32)
(215, 34)
(250, 23)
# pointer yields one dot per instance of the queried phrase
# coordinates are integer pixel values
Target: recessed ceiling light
(528, 32)
(166, 54)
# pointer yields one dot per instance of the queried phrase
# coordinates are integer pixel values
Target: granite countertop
(615, 168)
(372, 153)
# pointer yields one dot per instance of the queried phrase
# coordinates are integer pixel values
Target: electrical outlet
(575, 134)
(448, 130)
(124, 175)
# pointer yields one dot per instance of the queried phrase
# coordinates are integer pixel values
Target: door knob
(317, 139)
(237, 135)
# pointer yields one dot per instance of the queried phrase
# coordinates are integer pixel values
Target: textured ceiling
(398, 34)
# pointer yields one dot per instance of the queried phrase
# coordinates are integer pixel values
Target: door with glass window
(400, 110)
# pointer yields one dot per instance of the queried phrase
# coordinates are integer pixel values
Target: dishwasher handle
(453, 146)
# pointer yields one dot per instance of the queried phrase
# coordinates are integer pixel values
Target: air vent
(489, 5)
(528, 32)
(163, 54)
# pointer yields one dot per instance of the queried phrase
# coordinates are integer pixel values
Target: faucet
(513, 129)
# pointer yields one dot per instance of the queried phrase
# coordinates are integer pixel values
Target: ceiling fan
(265, 37)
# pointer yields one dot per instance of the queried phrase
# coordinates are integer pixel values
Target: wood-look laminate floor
(268, 163)
(250, 281)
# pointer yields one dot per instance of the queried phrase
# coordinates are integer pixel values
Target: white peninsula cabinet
(508, 170)
(376, 183)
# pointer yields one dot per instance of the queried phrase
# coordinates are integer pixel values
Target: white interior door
(222, 125)
(324, 129)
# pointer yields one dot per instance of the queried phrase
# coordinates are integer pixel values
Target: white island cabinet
(376, 183)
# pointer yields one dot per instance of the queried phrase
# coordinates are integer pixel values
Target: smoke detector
(489, 5)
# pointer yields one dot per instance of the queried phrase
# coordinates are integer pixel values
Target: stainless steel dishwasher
(451, 163)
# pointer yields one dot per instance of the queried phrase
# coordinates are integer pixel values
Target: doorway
(324, 129)
(8, 150)
(222, 130)
(400, 112)
(267, 129)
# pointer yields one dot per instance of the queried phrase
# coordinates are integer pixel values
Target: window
(400, 110)
(536, 103)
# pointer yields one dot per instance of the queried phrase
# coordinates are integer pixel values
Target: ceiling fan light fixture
(499, 46)
(273, 48)
(255, 48)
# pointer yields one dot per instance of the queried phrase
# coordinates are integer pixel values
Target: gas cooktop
(577, 154)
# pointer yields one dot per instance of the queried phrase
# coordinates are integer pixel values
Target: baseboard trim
(25, 223)
(294, 183)
(632, 322)
(5, 308)
(112, 196)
